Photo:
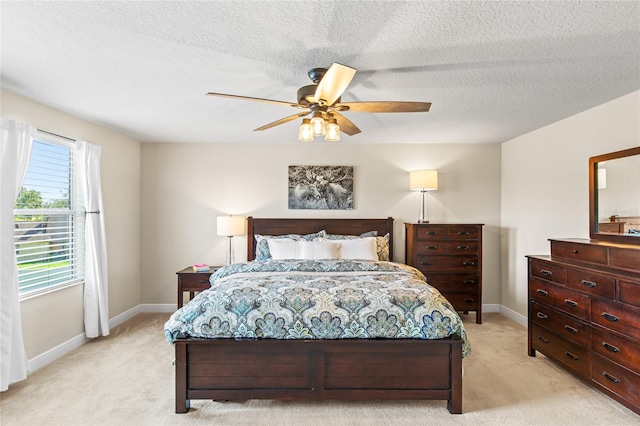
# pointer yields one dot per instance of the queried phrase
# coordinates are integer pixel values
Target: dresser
(584, 313)
(450, 256)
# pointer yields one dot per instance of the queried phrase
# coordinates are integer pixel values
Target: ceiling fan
(322, 100)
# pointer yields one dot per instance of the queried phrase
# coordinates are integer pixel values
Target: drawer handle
(571, 329)
(541, 315)
(469, 300)
(589, 284)
(610, 317)
(463, 247)
(432, 233)
(542, 292)
(610, 347)
(610, 377)
(543, 339)
(432, 247)
(463, 233)
(571, 303)
(574, 251)
(468, 263)
(572, 356)
(426, 263)
(546, 273)
(468, 282)
(203, 281)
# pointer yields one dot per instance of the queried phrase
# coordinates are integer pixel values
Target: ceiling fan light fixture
(305, 134)
(332, 131)
(317, 124)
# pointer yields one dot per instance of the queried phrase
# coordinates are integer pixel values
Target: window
(49, 219)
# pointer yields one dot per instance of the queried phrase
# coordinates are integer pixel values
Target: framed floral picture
(321, 187)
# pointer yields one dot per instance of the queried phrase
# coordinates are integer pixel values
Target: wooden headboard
(263, 226)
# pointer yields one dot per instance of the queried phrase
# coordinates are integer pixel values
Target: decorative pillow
(285, 249)
(351, 237)
(382, 248)
(359, 248)
(262, 245)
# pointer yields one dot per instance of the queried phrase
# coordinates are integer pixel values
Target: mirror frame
(593, 197)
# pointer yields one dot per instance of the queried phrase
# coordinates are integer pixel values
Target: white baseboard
(64, 348)
(510, 313)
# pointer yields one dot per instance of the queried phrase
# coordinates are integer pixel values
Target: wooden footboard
(358, 369)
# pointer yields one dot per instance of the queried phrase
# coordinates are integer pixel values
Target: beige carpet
(127, 379)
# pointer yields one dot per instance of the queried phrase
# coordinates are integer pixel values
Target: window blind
(48, 221)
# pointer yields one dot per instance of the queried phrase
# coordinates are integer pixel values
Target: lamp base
(423, 221)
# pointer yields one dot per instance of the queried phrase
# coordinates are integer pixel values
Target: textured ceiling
(493, 70)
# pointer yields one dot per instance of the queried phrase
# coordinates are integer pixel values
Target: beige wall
(545, 184)
(51, 319)
(185, 186)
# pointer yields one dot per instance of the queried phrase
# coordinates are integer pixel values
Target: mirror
(614, 196)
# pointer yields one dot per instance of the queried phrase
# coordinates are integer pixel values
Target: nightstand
(191, 281)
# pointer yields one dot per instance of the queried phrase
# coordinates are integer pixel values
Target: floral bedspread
(318, 299)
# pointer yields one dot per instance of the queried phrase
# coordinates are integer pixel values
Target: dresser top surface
(596, 243)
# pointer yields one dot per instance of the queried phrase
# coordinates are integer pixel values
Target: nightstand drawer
(194, 282)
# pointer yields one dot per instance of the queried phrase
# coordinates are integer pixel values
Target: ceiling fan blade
(248, 98)
(346, 126)
(334, 82)
(382, 106)
(282, 121)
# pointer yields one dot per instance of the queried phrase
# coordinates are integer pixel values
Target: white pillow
(281, 249)
(359, 248)
(316, 250)
(285, 249)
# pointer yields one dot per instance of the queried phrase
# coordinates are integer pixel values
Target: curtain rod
(55, 134)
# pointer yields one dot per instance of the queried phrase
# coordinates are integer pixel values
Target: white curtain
(16, 149)
(96, 306)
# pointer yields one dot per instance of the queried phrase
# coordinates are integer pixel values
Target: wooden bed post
(182, 403)
(454, 404)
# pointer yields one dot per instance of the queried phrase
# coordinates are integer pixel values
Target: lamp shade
(423, 180)
(231, 225)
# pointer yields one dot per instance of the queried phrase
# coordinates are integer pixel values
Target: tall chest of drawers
(584, 313)
(450, 255)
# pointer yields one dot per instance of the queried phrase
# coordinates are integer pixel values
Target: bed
(231, 361)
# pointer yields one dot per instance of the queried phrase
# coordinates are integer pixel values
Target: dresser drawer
(434, 233)
(563, 351)
(616, 316)
(624, 259)
(563, 325)
(548, 271)
(442, 247)
(579, 252)
(462, 301)
(454, 282)
(447, 263)
(591, 282)
(617, 379)
(629, 292)
(566, 300)
(615, 348)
